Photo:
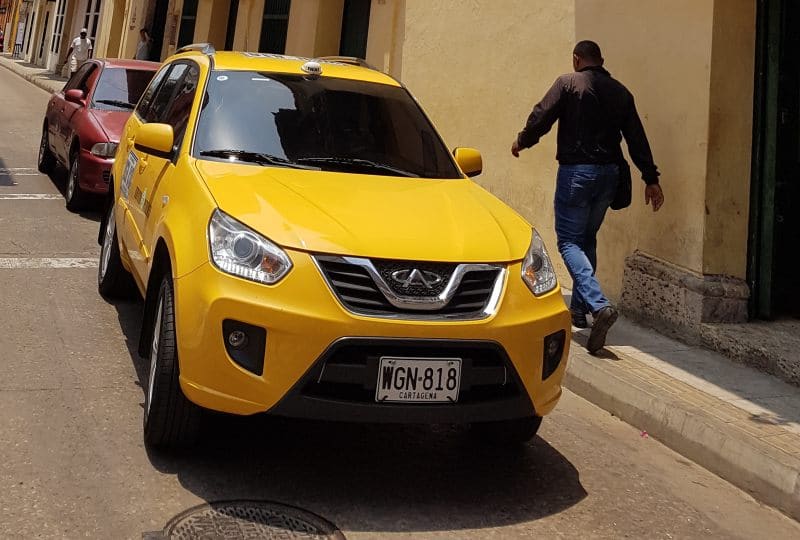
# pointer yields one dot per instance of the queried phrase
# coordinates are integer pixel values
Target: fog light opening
(552, 353)
(245, 344)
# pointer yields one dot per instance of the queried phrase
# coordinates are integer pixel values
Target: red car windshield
(119, 89)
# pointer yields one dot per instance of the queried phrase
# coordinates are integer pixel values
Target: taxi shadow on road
(376, 478)
(59, 179)
(366, 477)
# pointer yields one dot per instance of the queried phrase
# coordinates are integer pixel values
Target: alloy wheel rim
(73, 172)
(154, 346)
(105, 255)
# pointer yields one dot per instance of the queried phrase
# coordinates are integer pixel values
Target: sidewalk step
(735, 421)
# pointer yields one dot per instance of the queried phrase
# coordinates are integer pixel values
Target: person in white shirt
(143, 47)
(79, 51)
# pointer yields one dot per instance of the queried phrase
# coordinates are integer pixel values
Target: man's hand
(515, 148)
(653, 193)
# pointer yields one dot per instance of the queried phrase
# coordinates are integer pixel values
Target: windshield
(324, 123)
(119, 89)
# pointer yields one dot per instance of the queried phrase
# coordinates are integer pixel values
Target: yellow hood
(369, 216)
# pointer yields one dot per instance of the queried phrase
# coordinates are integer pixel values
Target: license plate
(418, 380)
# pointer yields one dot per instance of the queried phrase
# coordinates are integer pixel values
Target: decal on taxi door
(127, 173)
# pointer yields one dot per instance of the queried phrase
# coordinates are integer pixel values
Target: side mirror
(75, 96)
(469, 160)
(155, 139)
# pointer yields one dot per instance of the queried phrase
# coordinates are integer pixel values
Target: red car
(83, 123)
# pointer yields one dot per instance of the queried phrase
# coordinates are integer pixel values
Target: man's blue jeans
(583, 194)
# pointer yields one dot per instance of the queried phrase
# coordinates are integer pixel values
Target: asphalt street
(74, 465)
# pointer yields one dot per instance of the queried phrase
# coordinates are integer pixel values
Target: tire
(170, 420)
(517, 431)
(75, 197)
(47, 161)
(113, 281)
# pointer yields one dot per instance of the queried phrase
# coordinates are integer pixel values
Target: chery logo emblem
(414, 276)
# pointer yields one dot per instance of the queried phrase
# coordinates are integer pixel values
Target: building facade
(715, 83)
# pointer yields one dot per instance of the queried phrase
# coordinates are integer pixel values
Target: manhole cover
(235, 520)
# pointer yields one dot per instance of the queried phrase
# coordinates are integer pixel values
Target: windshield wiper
(117, 103)
(357, 162)
(255, 157)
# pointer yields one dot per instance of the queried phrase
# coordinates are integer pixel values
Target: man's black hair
(588, 50)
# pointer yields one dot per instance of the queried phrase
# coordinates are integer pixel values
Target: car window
(180, 107)
(329, 123)
(78, 78)
(90, 81)
(147, 97)
(163, 95)
(119, 89)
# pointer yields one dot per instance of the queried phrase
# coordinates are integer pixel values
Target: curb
(767, 473)
(33, 78)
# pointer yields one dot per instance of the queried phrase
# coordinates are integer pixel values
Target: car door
(71, 111)
(171, 104)
(57, 111)
(129, 233)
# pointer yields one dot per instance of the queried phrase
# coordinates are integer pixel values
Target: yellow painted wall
(662, 52)
(314, 27)
(248, 25)
(478, 68)
(386, 31)
(212, 22)
(109, 40)
(135, 18)
(329, 27)
(730, 138)
(301, 34)
(173, 27)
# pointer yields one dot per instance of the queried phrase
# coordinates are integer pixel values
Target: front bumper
(306, 325)
(95, 172)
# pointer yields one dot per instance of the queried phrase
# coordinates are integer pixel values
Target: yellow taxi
(307, 246)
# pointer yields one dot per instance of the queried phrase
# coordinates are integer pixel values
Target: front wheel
(170, 419)
(74, 195)
(517, 431)
(113, 281)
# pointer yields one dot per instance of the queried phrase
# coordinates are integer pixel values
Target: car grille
(349, 370)
(364, 287)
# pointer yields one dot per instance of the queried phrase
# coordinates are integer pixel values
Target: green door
(355, 28)
(774, 258)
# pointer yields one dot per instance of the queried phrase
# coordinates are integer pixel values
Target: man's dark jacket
(594, 112)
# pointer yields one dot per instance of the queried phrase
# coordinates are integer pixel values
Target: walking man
(594, 112)
(79, 51)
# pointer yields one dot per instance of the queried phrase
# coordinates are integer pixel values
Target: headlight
(105, 149)
(537, 269)
(239, 250)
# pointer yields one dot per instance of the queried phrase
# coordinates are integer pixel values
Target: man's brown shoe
(604, 319)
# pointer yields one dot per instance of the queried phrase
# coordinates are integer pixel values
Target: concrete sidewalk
(738, 422)
(42, 78)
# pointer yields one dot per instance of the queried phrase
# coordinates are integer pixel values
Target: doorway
(157, 29)
(274, 26)
(188, 22)
(774, 255)
(355, 28)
